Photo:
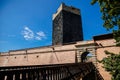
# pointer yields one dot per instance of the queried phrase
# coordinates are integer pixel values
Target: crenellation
(66, 8)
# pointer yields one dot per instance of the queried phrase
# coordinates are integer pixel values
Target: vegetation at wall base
(112, 64)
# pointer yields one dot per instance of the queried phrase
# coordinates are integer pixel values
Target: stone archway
(84, 54)
(87, 56)
(85, 50)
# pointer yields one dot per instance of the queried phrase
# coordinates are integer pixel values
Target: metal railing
(44, 72)
(70, 71)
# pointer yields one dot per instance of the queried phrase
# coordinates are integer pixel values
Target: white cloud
(38, 38)
(29, 34)
(40, 35)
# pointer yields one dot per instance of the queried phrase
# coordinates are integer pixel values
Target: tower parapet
(66, 8)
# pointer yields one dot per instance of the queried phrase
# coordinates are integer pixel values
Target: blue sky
(28, 23)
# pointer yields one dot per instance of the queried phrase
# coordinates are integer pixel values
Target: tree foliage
(110, 10)
(111, 15)
(112, 64)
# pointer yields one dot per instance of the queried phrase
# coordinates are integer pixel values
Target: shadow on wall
(93, 75)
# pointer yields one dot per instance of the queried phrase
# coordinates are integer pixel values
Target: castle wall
(39, 56)
(109, 45)
(60, 54)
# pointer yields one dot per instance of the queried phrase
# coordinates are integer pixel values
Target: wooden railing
(46, 72)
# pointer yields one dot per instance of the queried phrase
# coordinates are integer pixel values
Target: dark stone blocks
(67, 28)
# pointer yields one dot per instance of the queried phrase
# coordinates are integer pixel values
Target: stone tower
(67, 25)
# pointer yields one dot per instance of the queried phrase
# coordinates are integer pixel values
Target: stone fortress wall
(60, 54)
(43, 55)
(38, 56)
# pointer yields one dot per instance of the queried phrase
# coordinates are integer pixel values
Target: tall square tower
(67, 25)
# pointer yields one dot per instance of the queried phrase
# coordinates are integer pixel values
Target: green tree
(112, 64)
(110, 10)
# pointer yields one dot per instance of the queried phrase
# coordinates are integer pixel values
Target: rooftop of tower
(66, 8)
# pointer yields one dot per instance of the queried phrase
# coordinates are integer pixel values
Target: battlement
(66, 8)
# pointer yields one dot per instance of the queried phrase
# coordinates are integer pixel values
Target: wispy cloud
(29, 34)
(40, 35)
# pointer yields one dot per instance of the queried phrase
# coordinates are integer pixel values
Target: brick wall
(109, 45)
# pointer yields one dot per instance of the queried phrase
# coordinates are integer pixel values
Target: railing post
(51, 74)
(24, 75)
(37, 75)
(43, 73)
(30, 76)
(17, 75)
(9, 76)
(2, 76)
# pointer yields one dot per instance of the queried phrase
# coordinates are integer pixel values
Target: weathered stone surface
(58, 29)
(72, 27)
(67, 27)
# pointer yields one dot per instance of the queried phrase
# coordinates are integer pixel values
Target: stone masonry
(67, 25)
